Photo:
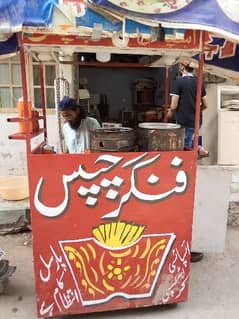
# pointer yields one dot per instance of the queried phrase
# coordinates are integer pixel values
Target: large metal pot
(154, 136)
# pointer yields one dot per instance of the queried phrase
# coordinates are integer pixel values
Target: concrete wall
(13, 152)
(210, 125)
(212, 195)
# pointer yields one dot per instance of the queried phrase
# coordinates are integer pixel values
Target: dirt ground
(214, 286)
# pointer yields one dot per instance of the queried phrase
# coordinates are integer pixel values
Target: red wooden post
(24, 88)
(199, 93)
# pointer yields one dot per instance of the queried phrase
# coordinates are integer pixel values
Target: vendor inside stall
(77, 126)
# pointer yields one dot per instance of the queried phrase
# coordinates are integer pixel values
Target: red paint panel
(191, 41)
(111, 231)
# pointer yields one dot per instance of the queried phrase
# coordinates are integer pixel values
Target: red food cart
(110, 230)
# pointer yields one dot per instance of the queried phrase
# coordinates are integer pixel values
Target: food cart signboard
(111, 230)
(190, 41)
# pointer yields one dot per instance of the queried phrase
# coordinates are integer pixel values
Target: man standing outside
(183, 104)
(77, 126)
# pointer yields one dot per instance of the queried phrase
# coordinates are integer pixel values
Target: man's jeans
(189, 135)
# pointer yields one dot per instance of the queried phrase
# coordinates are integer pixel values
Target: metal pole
(166, 94)
(24, 89)
(199, 93)
(43, 100)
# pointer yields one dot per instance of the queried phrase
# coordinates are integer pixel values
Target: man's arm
(93, 123)
(173, 105)
(204, 103)
(65, 133)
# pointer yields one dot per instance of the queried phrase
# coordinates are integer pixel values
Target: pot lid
(159, 126)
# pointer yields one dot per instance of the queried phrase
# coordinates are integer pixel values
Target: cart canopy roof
(218, 16)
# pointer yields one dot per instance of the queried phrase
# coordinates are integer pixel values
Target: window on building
(50, 73)
(11, 85)
(10, 82)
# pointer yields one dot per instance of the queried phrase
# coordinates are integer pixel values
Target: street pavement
(214, 286)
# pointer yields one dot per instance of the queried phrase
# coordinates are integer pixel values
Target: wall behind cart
(13, 152)
(117, 85)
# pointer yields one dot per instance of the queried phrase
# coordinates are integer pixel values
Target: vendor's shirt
(186, 88)
(77, 141)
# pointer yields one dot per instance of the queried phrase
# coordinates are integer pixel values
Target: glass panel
(4, 74)
(36, 74)
(37, 97)
(17, 93)
(16, 74)
(50, 99)
(5, 97)
(50, 74)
